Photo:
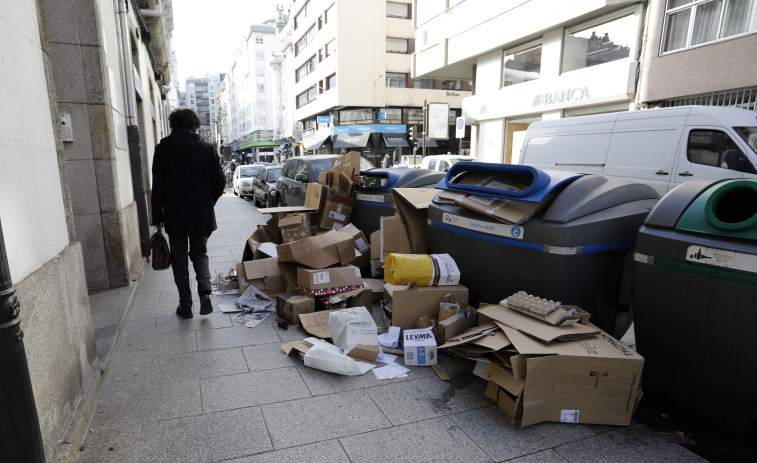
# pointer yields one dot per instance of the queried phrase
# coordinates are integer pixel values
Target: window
(395, 45)
(709, 147)
(305, 69)
(301, 15)
(432, 164)
(330, 48)
(331, 82)
(522, 65)
(303, 42)
(693, 22)
(327, 13)
(599, 42)
(423, 83)
(258, 39)
(415, 116)
(749, 135)
(397, 10)
(259, 56)
(452, 85)
(355, 116)
(301, 169)
(393, 116)
(395, 80)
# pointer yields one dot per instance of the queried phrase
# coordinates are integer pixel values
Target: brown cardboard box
(363, 256)
(393, 237)
(291, 305)
(242, 278)
(349, 164)
(319, 251)
(265, 275)
(294, 227)
(377, 269)
(317, 323)
(410, 303)
(362, 297)
(412, 208)
(322, 281)
(376, 245)
(375, 285)
(336, 212)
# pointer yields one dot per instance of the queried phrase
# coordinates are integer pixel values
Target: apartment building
(353, 88)
(710, 48)
(250, 95)
(202, 96)
(581, 58)
(286, 132)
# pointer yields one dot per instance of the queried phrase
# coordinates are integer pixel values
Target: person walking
(187, 180)
(386, 162)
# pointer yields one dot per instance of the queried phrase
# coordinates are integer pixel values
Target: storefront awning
(430, 144)
(257, 143)
(351, 140)
(317, 144)
(395, 140)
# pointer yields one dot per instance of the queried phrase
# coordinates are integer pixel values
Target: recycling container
(573, 242)
(375, 194)
(695, 303)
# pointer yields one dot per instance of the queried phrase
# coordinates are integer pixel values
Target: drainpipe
(20, 437)
(132, 130)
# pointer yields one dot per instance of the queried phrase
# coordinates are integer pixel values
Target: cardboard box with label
(294, 227)
(410, 303)
(336, 212)
(264, 274)
(290, 306)
(319, 251)
(419, 347)
(363, 255)
(318, 282)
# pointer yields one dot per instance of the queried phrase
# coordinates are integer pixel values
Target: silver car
(242, 182)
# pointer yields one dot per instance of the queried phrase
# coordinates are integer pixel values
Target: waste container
(695, 302)
(375, 199)
(576, 248)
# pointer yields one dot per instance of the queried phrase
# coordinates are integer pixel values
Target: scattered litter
(383, 357)
(391, 338)
(225, 292)
(391, 371)
(328, 357)
(250, 320)
(439, 370)
(253, 300)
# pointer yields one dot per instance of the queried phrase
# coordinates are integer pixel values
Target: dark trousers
(198, 253)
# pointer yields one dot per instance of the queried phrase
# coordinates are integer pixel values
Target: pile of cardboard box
(551, 366)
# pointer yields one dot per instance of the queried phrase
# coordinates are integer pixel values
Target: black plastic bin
(575, 249)
(695, 303)
(376, 201)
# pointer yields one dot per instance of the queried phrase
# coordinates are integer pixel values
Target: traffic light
(413, 134)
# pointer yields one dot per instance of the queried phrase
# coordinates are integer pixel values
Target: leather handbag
(161, 254)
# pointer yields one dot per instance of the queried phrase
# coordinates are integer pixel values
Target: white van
(660, 147)
(442, 162)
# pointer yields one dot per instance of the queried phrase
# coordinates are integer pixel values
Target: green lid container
(728, 208)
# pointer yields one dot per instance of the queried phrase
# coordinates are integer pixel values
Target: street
(208, 390)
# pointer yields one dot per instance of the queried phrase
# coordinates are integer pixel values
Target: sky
(207, 34)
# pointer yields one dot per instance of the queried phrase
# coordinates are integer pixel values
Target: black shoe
(184, 312)
(205, 306)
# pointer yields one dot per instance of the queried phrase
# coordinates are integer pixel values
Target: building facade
(353, 88)
(202, 97)
(251, 94)
(286, 133)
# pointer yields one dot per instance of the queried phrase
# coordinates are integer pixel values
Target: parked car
(297, 172)
(242, 183)
(264, 186)
(443, 162)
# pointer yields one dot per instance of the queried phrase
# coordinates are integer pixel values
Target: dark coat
(187, 180)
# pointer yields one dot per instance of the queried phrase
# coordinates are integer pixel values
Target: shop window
(599, 42)
(452, 85)
(355, 116)
(522, 65)
(689, 23)
(423, 83)
(396, 80)
(393, 116)
(415, 116)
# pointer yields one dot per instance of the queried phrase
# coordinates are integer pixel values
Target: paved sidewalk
(207, 390)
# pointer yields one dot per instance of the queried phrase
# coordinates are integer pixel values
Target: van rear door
(702, 155)
(643, 147)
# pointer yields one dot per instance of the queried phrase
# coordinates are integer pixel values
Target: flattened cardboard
(291, 305)
(286, 209)
(410, 303)
(319, 251)
(317, 323)
(376, 286)
(265, 275)
(412, 207)
(393, 237)
(538, 329)
(505, 210)
(295, 346)
(337, 212)
(348, 163)
(364, 353)
(376, 245)
(456, 324)
(334, 277)
(469, 335)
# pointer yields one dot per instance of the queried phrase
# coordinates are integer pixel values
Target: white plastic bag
(351, 327)
(328, 357)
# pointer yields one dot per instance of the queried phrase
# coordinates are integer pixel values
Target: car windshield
(456, 160)
(250, 171)
(318, 165)
(749, 135)
(273, 174)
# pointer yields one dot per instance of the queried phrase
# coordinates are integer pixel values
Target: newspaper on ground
(253, 300)
(250, 320)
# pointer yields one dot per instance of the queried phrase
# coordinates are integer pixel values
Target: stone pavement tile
(320, 452)
(159, 344)
(489, 428)
(250, 389)
(322, 382)
(135, 328)
(172, 324)
(155, 287)
(147, 298)
(204, 438)
(633, 444)
(217, 251)
(424, 398)
(169, 297)
(131, 404)
(128, 371)
(138, 312)
(546, 456)
(115, 445)
(196, 365)
(226, 259)
(268, 357)
(437, 440)
(330, 416)
(236, 336)
(292, 332)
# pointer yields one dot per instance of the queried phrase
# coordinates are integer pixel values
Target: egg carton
(524, 302)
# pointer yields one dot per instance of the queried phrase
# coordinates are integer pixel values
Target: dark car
(264, 186)
(297, 172)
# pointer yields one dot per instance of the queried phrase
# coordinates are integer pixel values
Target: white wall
(31, 202)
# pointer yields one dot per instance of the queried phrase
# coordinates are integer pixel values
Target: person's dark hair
(184, 119)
